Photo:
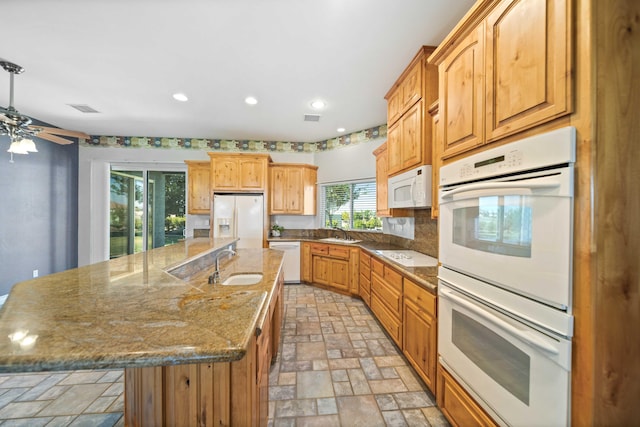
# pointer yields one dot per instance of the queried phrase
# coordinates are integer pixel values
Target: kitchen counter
(424, 276)
(132, 312)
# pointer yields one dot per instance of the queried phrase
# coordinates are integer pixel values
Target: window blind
(350, 205)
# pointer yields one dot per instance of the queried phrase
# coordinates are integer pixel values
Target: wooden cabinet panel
(382, 185)
(391, 297)
(420, 331)
(292, 189)
(239, 172)
(305, 261)
(408, 133)
(462, 95)
(198, 187)
(354, 271)
(390, 323)
(434, 112)
(365, 277)
(412, 140)
(339, 277)
(319, 248)
(339, 251)
(528, 65)
(456, 404)
(321, 270)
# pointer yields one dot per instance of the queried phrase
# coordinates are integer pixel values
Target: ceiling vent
(312, 117)
(83, 108)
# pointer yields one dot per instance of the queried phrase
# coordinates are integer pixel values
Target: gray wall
(38, 212)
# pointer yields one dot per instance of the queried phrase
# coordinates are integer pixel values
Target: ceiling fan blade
(58, 131)
(53, 138)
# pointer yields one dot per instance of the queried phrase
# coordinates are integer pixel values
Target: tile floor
(336, 368)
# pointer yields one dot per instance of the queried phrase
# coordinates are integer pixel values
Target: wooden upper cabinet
(292, 189)
(382, 184)
(239, 172)
(198, 187)
(528, 65)
(506, 69)
(461, 99)
(409, 134)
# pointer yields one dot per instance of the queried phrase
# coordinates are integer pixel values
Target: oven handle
(529, 338)
(512, 186)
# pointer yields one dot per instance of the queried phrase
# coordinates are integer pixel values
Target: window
(350, 205)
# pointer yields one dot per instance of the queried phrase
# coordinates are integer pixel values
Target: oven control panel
(547, 149)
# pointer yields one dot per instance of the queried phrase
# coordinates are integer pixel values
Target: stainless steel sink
(337, 240)
(243, 279)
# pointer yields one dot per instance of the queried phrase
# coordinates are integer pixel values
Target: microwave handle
(413, 191)
(531, 339)
(514, 187)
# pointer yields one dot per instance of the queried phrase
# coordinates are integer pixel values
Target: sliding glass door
(147, 209)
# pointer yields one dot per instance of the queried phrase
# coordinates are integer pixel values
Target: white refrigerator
(240, 216)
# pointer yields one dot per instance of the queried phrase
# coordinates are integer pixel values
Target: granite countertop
(131, 312)
(427, 277)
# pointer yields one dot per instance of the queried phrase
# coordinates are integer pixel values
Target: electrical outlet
(35, 273)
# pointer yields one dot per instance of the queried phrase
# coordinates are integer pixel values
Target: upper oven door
(516, 234)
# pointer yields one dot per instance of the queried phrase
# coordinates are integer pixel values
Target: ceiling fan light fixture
(28, 145)
(17, 148)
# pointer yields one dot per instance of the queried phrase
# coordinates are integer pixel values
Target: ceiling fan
(19, 127)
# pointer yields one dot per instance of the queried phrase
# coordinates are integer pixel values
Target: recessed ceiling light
(180, 97)
(340, 130)
(318, 104)
(251, 100)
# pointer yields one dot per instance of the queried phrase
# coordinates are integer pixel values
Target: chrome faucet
(346, 236)
(214, 278)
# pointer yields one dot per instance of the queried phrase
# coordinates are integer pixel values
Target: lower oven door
(517, 373)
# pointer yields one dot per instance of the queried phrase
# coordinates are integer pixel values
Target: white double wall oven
(505, 284)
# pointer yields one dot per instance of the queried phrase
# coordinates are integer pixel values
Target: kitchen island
(193, 352)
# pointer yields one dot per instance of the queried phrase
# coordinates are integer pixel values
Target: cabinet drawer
(387, 294)
(377, 267)
(365, 283)
(393, 279)
(339, 251)
(389, 322)
(319, 249)
(424, 299)
(365, 260)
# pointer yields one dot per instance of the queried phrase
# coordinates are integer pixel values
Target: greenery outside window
(350, 205)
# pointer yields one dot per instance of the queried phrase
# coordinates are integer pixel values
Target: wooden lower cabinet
(209, 394)
(332, 266)
(456, 404)
(386, 298)
(365, 277)
(420, 331)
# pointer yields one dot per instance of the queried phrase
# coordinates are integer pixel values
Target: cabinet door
(461, 76)
(199, 187)
(411, 139)
(321, 270)
(394, 106)
(419, 342)
(294, 193)
(251, 174)
(306, 263)
(224, 174)
(412, 86)
(339, 277)
(528, 65)
(278, 191)
(382, 184)
(394, 148)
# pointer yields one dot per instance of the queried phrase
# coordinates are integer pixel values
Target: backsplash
(425, 234)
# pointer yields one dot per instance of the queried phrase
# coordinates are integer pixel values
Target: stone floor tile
(307, 328)
(101, 404)
(318, 421)
(54, 392)
(62, 421)
(75, 400)
(413, 399)
(339, 375)
(12, 394)
(304, 365)
(28, 380)
(386, 361)
(358, 381)
(359, 411)
(387, 386)
(114, 389)
(409, 378)
(310, 351)
(96, 420)
(370, 368)
(388, 373)
(342, 388)
(35, 392)
(287, 378)
(285, 392)
(296, 408)
(435, 417)
(327, 406)
(82, 377)
(284, 422)
(394, 419)
(386, 402)
(314, 384)
(112, 376)
(344, 363)
(320, 365)
(22, 409)
(117, 405)
(31, 422)
(415, 417)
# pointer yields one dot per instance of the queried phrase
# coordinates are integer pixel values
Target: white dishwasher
(291, 264)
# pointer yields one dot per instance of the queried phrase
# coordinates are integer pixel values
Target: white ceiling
(125, 58)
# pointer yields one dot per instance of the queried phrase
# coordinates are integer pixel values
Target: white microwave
(411, 189)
